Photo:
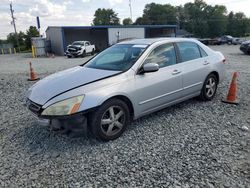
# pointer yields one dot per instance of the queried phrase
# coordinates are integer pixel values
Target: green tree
(127, 21)
(216, 20)
(196, 20)
(181, 17)
(157, 14)
(11, 38)
(105, 17)
(31, 32)
(238, 24)
(141, 21)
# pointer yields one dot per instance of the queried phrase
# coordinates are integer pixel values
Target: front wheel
(209, 88)
(93, 52)
(110, 120)
(83, 54)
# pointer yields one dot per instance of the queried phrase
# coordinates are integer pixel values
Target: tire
(68, 56)
(83, 54)
(112, 126)
(93, 52)
(209, 88)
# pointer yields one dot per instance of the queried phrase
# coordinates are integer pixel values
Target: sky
(80, 12)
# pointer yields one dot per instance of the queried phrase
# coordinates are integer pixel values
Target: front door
(157, 89)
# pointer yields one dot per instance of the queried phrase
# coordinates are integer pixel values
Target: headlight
(66, 107)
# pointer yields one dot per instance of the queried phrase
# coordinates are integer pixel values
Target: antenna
(14, 24)
(130, 7)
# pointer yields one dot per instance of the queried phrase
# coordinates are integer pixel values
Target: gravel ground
(192, 144)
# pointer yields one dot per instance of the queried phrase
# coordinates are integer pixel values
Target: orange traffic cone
(33, 76)
(231, 96)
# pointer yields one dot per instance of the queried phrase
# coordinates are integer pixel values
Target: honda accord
(127, 81)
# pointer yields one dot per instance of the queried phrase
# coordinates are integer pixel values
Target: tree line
(198, 18)
(24, 39)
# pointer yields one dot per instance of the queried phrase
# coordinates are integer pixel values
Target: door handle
(205, 63)
(176, 72)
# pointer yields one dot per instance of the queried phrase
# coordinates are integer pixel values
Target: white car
(126, 81)
(80, 49)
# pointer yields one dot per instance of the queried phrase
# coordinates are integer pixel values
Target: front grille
(35, 108)
(72, 50)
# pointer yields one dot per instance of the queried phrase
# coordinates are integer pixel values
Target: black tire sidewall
(95, 119)
(83, 54)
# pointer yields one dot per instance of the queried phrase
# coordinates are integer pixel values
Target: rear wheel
(209, 88)
(93, 52)
(110, 120)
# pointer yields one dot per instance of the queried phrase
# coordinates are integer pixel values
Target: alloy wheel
(112, 120)
(210, 87)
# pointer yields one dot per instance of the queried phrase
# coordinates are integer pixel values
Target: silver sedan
(126, 81)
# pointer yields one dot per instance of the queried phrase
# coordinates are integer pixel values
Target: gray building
(103, 36)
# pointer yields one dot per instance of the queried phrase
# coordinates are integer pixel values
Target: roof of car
(150, 41)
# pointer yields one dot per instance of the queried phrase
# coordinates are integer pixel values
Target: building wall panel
(54, 34)
(124, 33)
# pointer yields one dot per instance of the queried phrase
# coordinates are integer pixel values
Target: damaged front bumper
(68, 124)
(73, 54)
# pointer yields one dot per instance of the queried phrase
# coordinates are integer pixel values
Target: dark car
(245, 47)
(226, 39)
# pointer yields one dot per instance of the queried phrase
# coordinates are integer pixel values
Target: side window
(203, 53)
(87, 43)
(164, 55)
(188, 51)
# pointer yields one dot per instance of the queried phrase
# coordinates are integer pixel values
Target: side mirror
(149, 67)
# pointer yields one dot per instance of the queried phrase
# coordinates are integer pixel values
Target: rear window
(203, 53)
(188, 51)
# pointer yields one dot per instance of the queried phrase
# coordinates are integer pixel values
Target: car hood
(74, 46)
(66, 80)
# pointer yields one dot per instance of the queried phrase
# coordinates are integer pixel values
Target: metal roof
(113, 26)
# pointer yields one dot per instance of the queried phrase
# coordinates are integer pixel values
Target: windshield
(77, 43)
(119, 57)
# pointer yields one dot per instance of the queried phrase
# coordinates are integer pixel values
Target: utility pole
(14, 24)
(130, 7)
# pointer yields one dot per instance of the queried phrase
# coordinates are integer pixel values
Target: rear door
(157, 89)
(195, 67)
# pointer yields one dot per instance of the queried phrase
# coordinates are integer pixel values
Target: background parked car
(80, 48)
(236, 41)
(225, 39)
(245, 47)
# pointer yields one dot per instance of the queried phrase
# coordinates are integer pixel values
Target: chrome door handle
(205, 63)
(176, 72)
